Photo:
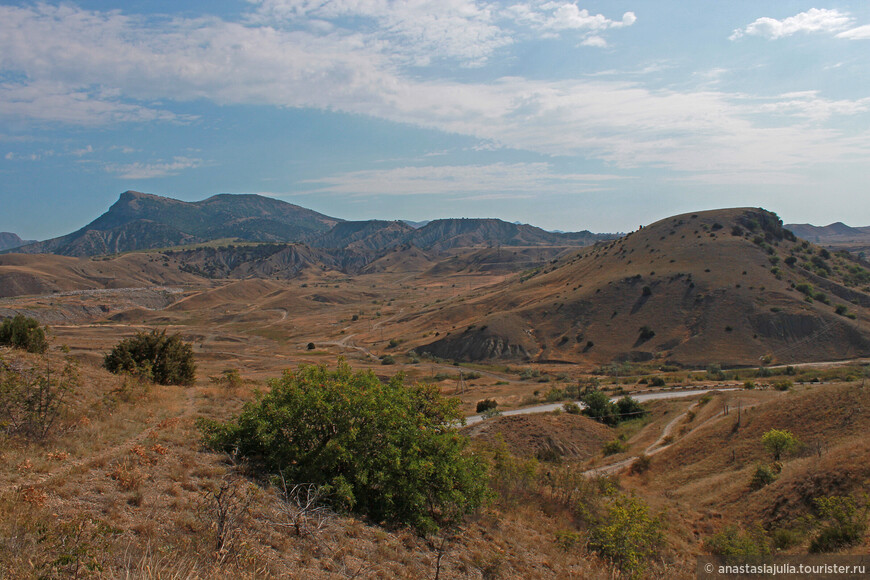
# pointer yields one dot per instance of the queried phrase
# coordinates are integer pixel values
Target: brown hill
(22, 274)
(724, 286)
(572, 437)
(712, 466)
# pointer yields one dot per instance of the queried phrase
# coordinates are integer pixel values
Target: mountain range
(8, 241)
(141, 221)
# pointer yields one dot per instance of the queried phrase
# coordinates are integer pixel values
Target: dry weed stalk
(301, 508)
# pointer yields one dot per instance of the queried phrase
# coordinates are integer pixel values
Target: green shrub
(785, 538)
(732, 541)
(229, 378)
(641, 464)
(388, 450)
(657, 382)
(599, 407)
(646, 333)
(166, 360)
(23, 332)
(567, 539)
(614, 447)
(629, 408)
(554, 395)
(626, 534)
(779, 441)
(33, 400)
(764, 475)
(572, 408)
(843, 522)
(388, 359)
(783, 385)
(485, 405)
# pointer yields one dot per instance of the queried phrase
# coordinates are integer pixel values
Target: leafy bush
(554, 395)
(641, 464)
(646, 333)
(388, 359)
(572, 408)
(23, 332)
(732, 541)
(764, 475)
(485, 405)
(657, 382)
(33, 400)
(779, 441)
(166, 360)
(626, 534)
(843, 523)
(387, 450)
(783, 385)
(629, 408)
(229, 378)
(614, 447)
(599, 407)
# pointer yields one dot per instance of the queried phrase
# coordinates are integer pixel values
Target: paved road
(639, 397)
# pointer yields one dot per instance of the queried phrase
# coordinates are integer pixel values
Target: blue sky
(567, 115)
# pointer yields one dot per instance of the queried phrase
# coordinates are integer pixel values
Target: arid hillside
(726, 286)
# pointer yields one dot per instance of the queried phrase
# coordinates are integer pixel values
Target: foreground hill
(140, 221)
(730, 286)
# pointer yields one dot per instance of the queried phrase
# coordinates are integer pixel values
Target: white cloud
(411, 31)
(495, 181)
(140, 170)
(813, 20)
(809, 105)
(45, 100)
(859, 33)
(551, 18)
(82, 66)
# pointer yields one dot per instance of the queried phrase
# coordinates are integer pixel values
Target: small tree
(166, 360)
(32, 400)
(387, 450)
(778, 441)
(23, 332)
(599, 407)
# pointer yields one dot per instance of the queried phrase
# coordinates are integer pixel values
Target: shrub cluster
(602, 409)
(23, 332)
(166, 360)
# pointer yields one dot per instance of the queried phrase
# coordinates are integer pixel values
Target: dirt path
(659, 444)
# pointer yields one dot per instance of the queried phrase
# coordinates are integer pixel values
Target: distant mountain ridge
(142, 221)
(8, 240)
(837, 236)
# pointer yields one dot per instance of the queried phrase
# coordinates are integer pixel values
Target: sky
(567, 115)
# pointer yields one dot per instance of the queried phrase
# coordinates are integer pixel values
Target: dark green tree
(387, 450)
(600, 408)
(166, 360)
(23, 332)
